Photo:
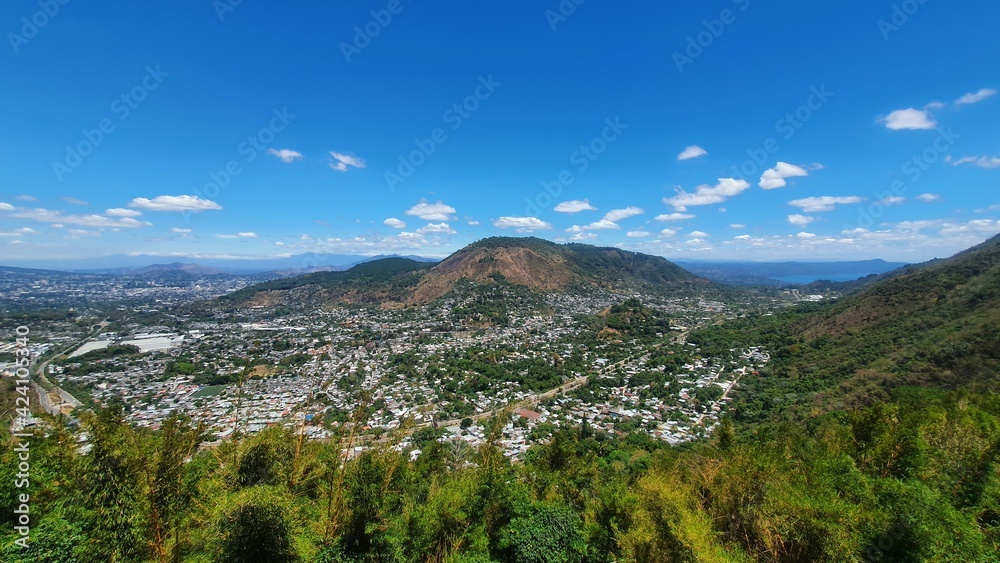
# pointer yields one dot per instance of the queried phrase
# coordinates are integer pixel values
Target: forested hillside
(935, 325)
(911, 481)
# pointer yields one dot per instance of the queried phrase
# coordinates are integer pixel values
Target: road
(54, 399)
(724, 394)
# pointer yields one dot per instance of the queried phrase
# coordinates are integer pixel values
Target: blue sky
(728, 129)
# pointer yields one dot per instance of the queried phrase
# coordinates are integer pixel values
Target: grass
(208, 391)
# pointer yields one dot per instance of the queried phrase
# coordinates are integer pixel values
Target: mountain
(388, 280)
(529, 262)
(120, 263)
(929, 325)
(546, 266)
(192, 269)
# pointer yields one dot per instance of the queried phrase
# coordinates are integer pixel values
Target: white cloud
(984, 162)
(81, 233)
(707, 195)
(523, 224)
(776, 177)
(674, 217)
(4, 206)
(742, 237)
(892, 200)
(737, 226)
(976, 226)
(441, 228)
(912, 119)
(179, 230)
(122, 212)
(286, 155)
(343, 162)
(668, 232)
(25, 197)
(619, 214)
(694, 151)
(928, 198)
(584, 236)
(19, 232)
(246, 235)
(800, 220)
(472, 222)
(602, 225)
(918, 225)
(175, 203)
(974, 97)
(698, 234)
(575, 206)
(74, 201)
(97, 221)
(431, 211)
(823, 203)
(806, 235)
(637, 234)
(394, 223)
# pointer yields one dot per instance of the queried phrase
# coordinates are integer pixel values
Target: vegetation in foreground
(914, 480)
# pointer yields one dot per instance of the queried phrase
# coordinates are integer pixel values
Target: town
(384, 373)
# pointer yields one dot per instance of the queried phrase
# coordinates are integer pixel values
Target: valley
(568, 372)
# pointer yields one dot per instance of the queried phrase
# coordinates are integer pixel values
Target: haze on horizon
(734, 130)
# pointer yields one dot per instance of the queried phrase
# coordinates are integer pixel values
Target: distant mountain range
(578, 261)
(144, 263)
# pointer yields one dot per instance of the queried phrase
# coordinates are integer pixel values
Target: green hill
(529, 262)
(387, 279)
(931, 325)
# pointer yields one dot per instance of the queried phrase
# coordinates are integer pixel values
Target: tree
(255, 526)
(548, 534)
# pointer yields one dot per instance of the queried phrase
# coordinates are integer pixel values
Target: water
(812, 278)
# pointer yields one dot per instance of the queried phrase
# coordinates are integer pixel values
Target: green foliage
(263, 459)
(547, 534)
(255, 525)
